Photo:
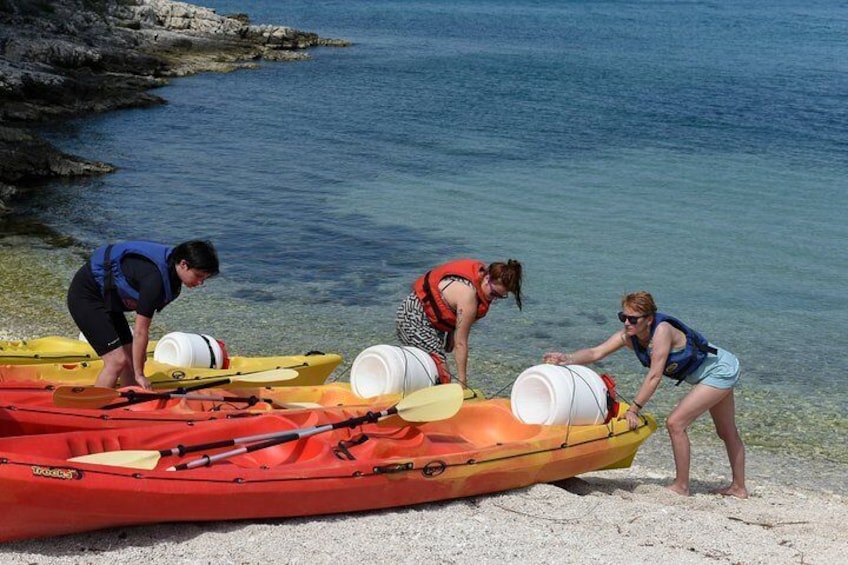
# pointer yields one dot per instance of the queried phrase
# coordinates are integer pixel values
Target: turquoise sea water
(695, 149)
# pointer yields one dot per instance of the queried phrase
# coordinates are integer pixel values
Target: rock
(25, 158)
(66, 58)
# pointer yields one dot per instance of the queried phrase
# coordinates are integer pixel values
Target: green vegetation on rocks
(33, 283)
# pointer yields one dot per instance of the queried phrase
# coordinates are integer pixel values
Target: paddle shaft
(133, 397)
(220, 380)
(278, 438)
(136, 397)
(210, 384)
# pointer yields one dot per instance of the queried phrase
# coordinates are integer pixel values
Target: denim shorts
(717, 371)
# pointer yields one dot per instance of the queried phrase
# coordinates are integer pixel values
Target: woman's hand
(632, 419)
(143, 382)
(555, 357)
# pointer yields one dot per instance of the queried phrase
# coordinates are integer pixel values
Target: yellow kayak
(313, 369)
(50, 349)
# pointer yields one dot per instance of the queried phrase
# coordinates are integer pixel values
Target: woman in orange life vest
(445, 302)
(138, 276)
(670, 348)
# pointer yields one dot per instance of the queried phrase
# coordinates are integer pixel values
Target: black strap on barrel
(211, 351)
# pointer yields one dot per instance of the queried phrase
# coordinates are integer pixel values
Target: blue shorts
(717, 371)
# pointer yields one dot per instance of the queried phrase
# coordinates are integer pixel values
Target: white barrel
(553, 394)
(191, 350)
(387, 369)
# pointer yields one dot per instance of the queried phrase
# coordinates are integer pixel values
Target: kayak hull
(27, 408)
(312, 370)
(482, 449)
(50, 349)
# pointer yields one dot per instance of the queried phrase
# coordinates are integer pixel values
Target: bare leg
(701, 399)
(724, 418)
(117, 365)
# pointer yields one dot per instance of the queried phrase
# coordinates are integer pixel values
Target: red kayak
(31, 407)
(301, 463)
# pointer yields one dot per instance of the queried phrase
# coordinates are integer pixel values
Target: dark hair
(200, 255)
(509, 274)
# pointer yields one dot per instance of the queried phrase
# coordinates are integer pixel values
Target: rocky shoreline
(62, 59)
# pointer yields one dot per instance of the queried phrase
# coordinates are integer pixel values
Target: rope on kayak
(421, 365)
(630, 401)
(343, 372)
(498, 393)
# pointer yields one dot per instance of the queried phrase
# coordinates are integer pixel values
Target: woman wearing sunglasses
(670, 348)
(445, 302)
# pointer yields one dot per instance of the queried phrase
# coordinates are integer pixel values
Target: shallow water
(692, 149)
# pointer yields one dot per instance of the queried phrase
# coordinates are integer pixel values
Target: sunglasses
(495, 294)
(622, 317)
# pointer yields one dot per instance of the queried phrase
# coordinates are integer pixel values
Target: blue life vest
(679, 364)
(106, 267)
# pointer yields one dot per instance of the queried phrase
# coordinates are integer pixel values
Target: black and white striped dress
(414, 328)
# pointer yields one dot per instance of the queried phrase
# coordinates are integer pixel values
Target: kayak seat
(289, 453)
(86, 446)
(501, 425)
(183, 406)
(160, 404)
(191, 406)
(447, 443)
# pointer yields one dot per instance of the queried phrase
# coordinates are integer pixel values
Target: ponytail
(509, 274)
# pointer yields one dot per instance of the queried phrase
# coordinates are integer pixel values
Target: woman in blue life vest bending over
(138, 276)
(670, 348)
(445, 302)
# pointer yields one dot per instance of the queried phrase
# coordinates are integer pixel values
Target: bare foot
(682, 491)
(732, 490)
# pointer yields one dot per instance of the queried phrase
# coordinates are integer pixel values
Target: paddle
(161, 380)
(101, 397)
(426, 405)
(97, 397)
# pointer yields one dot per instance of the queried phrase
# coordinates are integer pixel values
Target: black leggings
(104, 329)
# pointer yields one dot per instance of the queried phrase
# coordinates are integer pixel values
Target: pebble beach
(622, 516)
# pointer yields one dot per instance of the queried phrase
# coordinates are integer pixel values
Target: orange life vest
(438, 312)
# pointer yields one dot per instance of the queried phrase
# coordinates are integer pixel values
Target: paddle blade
(133, 459)
(431, 404)
(84, 396)
(300, 405)
(265, 377)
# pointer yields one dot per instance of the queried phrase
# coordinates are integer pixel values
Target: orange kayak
(31, 407)
(338, 467)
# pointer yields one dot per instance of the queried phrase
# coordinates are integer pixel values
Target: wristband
(637, 405)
